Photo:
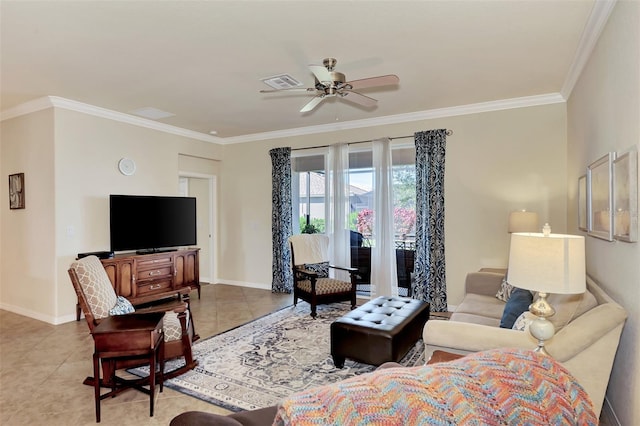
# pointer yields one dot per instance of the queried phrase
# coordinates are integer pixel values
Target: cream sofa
(588, 329)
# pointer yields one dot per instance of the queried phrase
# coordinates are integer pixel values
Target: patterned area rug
(259, 363)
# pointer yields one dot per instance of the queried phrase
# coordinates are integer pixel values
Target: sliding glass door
(310, 198)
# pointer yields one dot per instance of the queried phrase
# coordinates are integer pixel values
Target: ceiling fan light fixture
(330, 83)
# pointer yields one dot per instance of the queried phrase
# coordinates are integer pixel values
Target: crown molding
(68, 104)
(25, 108)
(523, 102)
(593, 29)
(58, 102)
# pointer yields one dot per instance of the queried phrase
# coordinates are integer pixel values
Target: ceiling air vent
(283, 81)
(152, 113)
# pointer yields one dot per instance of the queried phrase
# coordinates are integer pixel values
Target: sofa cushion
(477, 304)
(570, 306)
(518, 303)
(322, 269)
(567, 307)
(504, 293)
(475, 319)
(122, 307)
(523, 321)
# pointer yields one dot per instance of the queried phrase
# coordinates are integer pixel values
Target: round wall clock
(127, 166)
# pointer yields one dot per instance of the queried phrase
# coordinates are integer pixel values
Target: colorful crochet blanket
(497, 387)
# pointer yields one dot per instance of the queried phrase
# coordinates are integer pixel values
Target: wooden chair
(311, 280)
(97, 298)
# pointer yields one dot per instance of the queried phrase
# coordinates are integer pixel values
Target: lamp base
(541, 328)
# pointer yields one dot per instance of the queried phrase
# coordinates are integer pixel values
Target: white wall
(603, 116)
(70, 162)
(27, 241)
(496, 162)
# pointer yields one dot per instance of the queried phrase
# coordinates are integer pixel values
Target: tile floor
(42, 366)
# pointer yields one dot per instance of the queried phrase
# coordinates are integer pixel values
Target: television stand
(137, 276)
(152, 251)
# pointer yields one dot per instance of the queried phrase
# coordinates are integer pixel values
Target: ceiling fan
(330, 83)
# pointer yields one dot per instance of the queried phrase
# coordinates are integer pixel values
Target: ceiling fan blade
(383, 80)
(312, 104)
(358, 98)
(291, 89)
(321, 73)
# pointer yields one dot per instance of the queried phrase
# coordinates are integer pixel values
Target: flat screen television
(151, 223)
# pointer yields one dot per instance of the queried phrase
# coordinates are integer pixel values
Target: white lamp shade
(549, 264)
(523, 221)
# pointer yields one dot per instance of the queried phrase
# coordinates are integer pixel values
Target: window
(404, 194)
(308, 192)
(309, 206)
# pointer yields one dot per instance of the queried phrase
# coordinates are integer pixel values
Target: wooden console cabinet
(138, 276)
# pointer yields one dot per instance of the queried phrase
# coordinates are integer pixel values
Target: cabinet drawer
(155, 260)
(159, 271)
(155, 286)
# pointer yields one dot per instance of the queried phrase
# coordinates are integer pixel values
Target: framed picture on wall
(625, 197)
(16, 191)
(583, 221)
(599, 190)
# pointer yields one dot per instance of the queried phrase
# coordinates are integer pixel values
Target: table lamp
(546, 263)
(523, 221)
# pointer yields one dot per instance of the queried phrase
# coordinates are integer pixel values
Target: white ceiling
(203, 60)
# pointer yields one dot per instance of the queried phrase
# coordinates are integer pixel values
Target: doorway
(203, 188)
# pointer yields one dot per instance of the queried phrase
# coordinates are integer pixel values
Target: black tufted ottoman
(381, 330)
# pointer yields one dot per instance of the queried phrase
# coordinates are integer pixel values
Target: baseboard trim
(261, 286)
(37, 315)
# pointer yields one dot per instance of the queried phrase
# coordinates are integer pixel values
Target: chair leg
(314, 314)
(189, 362)
(152, 379)
(96, 384)
(353, 291)
(186, 342)
(194, 336)
(314, 306)
(160, 357)
(108, 370)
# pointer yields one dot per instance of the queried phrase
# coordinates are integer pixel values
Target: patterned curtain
(429, 270)
(281, 211)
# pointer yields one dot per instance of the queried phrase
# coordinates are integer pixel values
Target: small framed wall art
(16, 191)
(625, 197)
(599, 190)
(583, 220)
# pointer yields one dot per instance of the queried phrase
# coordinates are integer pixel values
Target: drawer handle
(152, 273)
(154, 286)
